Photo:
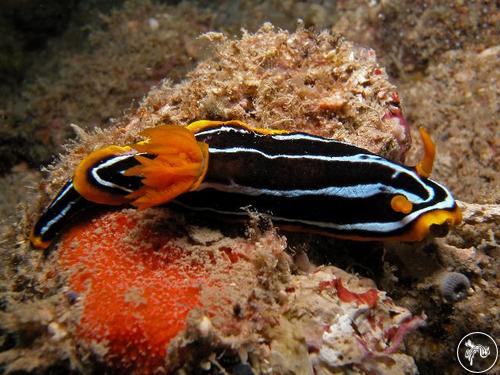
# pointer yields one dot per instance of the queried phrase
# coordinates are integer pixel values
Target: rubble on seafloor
(472, 250)
(462, 98)
(136, 291)
(92, 310)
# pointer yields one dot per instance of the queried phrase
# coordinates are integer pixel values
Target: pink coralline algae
(362, 328)
(395, 114)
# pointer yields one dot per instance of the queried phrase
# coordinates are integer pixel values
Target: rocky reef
(145, 292)
(148, 290)
(163, 291)
(319, 83)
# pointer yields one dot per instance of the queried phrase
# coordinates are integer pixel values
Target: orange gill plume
(179, 165)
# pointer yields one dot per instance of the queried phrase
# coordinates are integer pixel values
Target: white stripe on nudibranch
(107, 164)
(224, 129)
(374, 227)
(354, 191)
(60, 195)
(378, 227)
(354, 158)
(280, 137)
(58, 217)
(306, 137)
(358, 159)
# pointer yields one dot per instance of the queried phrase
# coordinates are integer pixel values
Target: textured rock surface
(131, 292)
(447, 84)
(116, 279)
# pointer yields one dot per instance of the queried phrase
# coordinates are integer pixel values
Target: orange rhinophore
(424, 168)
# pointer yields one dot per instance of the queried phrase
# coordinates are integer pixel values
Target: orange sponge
(136, 287)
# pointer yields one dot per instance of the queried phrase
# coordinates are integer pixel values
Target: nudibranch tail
(424, 168)
(63, 207)
(178, 166)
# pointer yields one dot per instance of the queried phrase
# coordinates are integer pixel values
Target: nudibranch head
(424, 168)
(442, 210)
(426, 205)
(438, 210)
(309, 183)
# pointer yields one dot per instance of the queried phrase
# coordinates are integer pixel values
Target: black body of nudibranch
(300, 181)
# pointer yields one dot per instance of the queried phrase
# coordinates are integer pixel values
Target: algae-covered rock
(92, 304)
(142, 291)
(134, 294)
(318, 83)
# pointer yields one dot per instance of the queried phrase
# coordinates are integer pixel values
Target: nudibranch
(301, 181)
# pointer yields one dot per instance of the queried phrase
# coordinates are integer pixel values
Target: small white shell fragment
(56, 331)
(205, 327)
(153, 24)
